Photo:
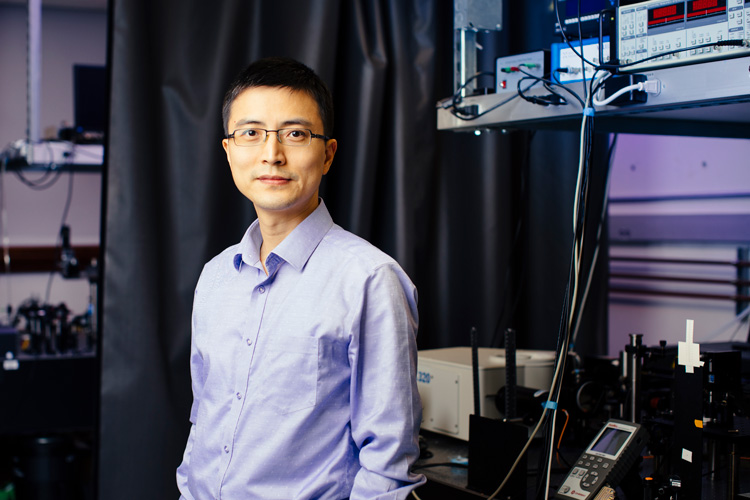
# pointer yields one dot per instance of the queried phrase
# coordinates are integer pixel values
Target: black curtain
(478, 222)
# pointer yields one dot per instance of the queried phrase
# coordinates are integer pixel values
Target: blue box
(562, 56)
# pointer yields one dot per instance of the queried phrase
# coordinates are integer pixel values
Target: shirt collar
(296, 248)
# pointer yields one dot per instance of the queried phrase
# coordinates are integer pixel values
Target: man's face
(280, 180)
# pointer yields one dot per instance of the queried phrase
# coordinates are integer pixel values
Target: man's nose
(273, 152)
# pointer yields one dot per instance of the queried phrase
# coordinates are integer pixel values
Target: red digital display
(703, 4)
(668, 14)
(662, 12)
(704, 8)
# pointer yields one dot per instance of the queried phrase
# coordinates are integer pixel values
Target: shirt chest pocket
(289, 371)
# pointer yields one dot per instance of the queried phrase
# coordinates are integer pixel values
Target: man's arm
(196, 377)
(385, 405)
(182, 470)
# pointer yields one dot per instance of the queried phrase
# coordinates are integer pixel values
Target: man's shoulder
(223, 261)
(345, 247)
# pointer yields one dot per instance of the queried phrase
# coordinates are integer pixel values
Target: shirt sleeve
(196, 377)
(182, 470)
(385, 406)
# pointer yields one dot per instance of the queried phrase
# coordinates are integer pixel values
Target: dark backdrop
(481, 224)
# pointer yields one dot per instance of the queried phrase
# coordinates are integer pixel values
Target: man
(303, 356)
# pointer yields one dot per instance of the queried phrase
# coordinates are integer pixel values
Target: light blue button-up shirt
(304, 380)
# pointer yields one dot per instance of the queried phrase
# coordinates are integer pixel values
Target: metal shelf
(55, 155)
(710, 99)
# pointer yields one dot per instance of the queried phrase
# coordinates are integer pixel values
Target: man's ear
(330, 152)
(225, 144)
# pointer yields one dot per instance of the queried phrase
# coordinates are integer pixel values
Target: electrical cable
(580, 46)
(547, 100)
(558, 83)
(597, 83)
(548, 85)
(737, 319)
(457, 97)
(564, 332)
(565, 38)
(542, 464)
(722, 43)
(4, 238)
(562, 432)
(651, 86)
(66, 209)
(549, 462)
(577, 209)
(624, 90)
(455, 111)
(453, 103)
(43, 182)
(556, 377)
(569, 303)
(595, 257)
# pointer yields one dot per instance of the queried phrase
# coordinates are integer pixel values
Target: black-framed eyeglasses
(286, 136)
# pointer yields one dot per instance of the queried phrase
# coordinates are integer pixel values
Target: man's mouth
(273, 179)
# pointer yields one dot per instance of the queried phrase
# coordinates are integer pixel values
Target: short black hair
(281, 72)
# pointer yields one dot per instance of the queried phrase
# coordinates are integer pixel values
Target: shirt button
(261, 289)
(249, 342)
(239, 396)
(226, 449)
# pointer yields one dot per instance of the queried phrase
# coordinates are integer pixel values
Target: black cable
(558, 83)
(721, 43)
(66, 209)
(553, 99)
(564, 331)
(457, 97)
(565, 38)
(43, 182)
(580, 45)
(68, 200)
(614, 68)
(455, 111)
(602, 217)
(548, 84)
(52, 168)
(547, 100)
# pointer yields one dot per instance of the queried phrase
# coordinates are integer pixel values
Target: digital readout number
(424, 377)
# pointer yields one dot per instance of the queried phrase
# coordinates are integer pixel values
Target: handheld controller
(606, 460)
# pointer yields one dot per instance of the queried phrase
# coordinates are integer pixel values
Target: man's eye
(297, 134)
(250, 133)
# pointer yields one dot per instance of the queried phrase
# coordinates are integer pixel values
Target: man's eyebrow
(286, 123)
(297, 121)
(247, 121)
